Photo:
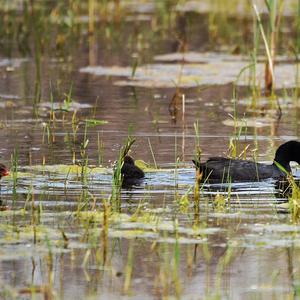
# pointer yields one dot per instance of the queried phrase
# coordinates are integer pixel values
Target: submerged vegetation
(189, 80)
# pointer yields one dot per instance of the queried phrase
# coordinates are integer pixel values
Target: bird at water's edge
(220, 169)
(3, 171)
(131, 173)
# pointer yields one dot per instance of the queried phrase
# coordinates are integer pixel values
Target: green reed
(199, 175)
(255, 89)
(293, 191)
(84, 156)
(176, 263)
(294, 200)
(129, 267)
(164, 269)
(104, 232)
(296, 52)
(274, 8)
(115, 197)
(197, 138)
(67, 102)
(223, 263)
(238, 129)
(15, 164)
(152, 153)
(298, 28)
(36, 25)
(100, 151)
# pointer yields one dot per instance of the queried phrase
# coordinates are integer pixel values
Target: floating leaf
(64, 106)
(95, 122)
(250, 122)
(205, 69)
(67, 169)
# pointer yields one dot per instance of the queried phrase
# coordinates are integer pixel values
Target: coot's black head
(3, 171)
(287, 152)
(128, 160)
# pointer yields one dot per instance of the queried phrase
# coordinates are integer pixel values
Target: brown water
(247, 249)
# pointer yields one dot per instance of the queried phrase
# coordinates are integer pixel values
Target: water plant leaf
(64, 106)
(95, 122)
(205, 69)
(67, 169)
(250, 122)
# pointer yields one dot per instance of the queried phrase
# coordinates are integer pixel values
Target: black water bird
(131, 173)
(220, 169)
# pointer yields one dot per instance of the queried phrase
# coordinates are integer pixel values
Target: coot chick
(219, 169)
(3, 171)
(131, 173)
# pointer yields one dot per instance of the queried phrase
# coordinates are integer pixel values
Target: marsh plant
(199, 174)
(117, 179)
(292, 190)
(15, 164)
(294, 199)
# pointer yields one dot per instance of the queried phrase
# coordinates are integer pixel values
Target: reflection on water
(242, 227)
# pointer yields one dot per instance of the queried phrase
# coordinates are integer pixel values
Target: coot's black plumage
(130, 172)
(219, 169)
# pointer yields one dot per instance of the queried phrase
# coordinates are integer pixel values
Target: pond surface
(68, 103)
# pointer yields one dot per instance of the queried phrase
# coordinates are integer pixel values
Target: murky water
(59, 237)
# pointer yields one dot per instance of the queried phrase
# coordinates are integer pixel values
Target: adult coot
(130, 172)
(219, 169)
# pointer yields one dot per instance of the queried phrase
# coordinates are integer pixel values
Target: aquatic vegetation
(220, 203)
(117, 175)
(193, 74)
(257, 122)
(75, 76)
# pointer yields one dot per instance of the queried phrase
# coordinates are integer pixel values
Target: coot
(219, 169)
(130, 172)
